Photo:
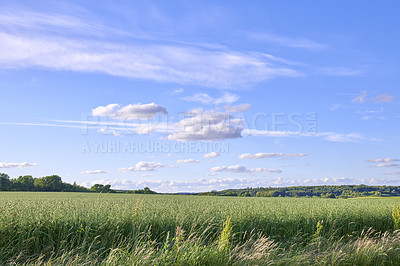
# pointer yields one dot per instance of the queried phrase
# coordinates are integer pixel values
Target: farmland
(91, 228)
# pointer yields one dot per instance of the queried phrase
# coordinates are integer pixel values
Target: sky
(191, 96)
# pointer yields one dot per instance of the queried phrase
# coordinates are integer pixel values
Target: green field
(76, 228)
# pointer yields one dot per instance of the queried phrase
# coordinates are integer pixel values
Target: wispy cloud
(263, 155)
(362, 98)
(384, 160)
(130, 112)
(383, 98)
(388, 165)
(93, 172)
(243, 169)
(241, 108)
(16, 165)
(177, 91)
(32, 39)
(142, 167)
(393, 173)
(187, 161)
(281, 40)
(204, 98)
(350, 137)
(211, 155)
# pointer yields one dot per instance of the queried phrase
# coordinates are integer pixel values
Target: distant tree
(101, 188)
(39, 184)
(49, 183)
(146, 190)
(5, 182)
(24, 183)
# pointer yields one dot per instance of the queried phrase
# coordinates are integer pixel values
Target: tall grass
(152, 229)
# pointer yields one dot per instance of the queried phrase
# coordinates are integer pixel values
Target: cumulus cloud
(130, 112)
(383, 98)
(187, 161)
(142, 167)
(362, 98)
(244, 107)
(242, 169)
(94, 172)
(263, 155)
(204, 98)
(207, 125)
(16, 165)
(211, 155)
(145, 129)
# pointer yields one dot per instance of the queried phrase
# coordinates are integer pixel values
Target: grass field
(84, 228)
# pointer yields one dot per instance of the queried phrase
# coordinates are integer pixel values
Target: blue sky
(200, 95)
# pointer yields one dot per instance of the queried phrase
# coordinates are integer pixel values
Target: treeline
(343, 191)
(47, 183)
(54, 183)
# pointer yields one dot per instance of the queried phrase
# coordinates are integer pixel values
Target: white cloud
(337, 71)
(36, 39)
(241, 108)
(384, 160)
(339, 137)
(203, 185)
(335, 107)
(16, 165)
(362, 98)
(388, 165)
(130, 112)
(94, 172)
(242, 169)
(196, 185)
(271, 133)
(177, 91)
(204, 98)
(263, 155)
(211, 155)
(145, 129)
(383, 98)
(142, 167)
(187, 161)
(393, 173)
(227, 98)
(207, 125)
(198, 125)
(286, 41)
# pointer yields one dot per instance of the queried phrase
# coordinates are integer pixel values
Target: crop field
(115, 229)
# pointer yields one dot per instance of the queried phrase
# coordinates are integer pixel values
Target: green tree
(24, 183)
(101, 188)
(5, 182)
(49, 183)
